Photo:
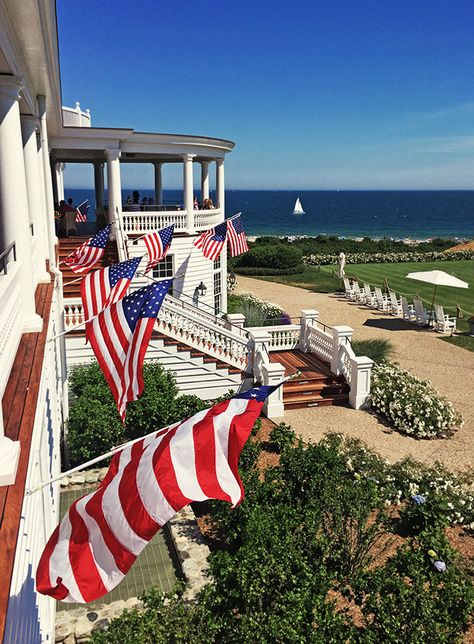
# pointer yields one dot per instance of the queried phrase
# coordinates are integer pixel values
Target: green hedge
(388, 258)
(281, 255)
(255, 270)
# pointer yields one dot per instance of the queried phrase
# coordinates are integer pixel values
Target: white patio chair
(394, 304)
(70, 218)
(349, 289)
(370, 298)
(382, 300)
(443, 323)
(408, 310)
(359, 294)
(422, 315)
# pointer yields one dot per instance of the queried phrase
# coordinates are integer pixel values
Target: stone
(92, 616)
(91, 477)
(83, 628)
(77, 479)
(70, 639)
(62, 631)
(101, 625)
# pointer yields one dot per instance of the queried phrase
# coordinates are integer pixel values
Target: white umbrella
(438, 278)
(342, 262)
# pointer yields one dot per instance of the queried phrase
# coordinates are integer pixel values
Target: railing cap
(343, 330)
(309, 313)
(363, 361)
(259, 335)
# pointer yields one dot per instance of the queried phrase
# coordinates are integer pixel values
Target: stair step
(324, 392)
(317, 401)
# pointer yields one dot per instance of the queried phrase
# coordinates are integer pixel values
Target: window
(217, 292)
(217, 263)
(164, 268)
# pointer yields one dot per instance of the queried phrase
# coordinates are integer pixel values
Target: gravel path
(450, 369)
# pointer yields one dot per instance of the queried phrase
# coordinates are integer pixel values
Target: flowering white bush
(411, 405)
(271, 309)
(388, 258)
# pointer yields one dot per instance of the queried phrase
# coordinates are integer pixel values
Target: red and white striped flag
(102, 288)
(102, 534)
(89, 253)
(212, 241)
(157, 245)
(81, 212)
(120, 335)
(237, 238)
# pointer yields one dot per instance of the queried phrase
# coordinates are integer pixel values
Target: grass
(377, 349)
(312, 278)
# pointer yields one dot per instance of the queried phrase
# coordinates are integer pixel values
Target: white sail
(298, 209)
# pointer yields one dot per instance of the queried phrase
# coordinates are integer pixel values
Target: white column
(309, 317)
(14, 217)
(188, 191)
(361, 372)
(114, 187)
(204, 180)
(99, 184)
(158, 182)
(220, 194)
(59, 167)
(48, 186)
(34, 186)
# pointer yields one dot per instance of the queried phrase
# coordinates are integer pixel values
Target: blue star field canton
(124, 270)
(258, 393)
(100, 240)
(145, 303)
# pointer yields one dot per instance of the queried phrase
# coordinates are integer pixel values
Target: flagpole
(114, 450)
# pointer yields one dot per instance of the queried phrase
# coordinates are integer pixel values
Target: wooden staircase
(66, 246)
(317, 386)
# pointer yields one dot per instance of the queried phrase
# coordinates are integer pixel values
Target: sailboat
(298, 209)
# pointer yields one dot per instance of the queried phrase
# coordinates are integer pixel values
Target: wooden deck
(19, 408)
(317, 386)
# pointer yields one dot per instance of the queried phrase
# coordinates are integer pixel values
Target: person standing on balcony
(195, 203)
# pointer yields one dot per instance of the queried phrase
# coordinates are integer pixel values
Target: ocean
(400, 214)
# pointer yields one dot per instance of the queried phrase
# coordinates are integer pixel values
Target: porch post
(204, 180)
(48, 186)
(220, 188)
(99, 184)
(188, 191)
(30, 129)
(114, 187)
(14, 216)
(158, 182)
(340, 335)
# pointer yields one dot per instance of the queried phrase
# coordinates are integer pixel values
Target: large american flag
(102, 288)
(120, 335)
(81, 215)
(237, 239)
(157, 245)
(148, 481)
(89, 253)
(212, 241)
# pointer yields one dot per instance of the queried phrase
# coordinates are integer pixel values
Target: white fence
(144, 222)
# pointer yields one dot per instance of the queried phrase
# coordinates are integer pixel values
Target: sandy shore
(422, 352)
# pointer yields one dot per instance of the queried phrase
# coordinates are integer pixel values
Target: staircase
(66, 246)
(317, 386)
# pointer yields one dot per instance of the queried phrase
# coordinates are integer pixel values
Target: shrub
(275, 255)
(411, 405)
(257, 312)
(94, 426)
(377, 349)
(388, 258)
(255, 270)
(282, 437)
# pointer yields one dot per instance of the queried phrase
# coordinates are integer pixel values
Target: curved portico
(110, 149)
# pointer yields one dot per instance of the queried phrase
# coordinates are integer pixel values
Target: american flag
(119, 336)
(157, 245)
(89, 253)
(212, 241)
(81, 215)
(237, 239)
(102, 288)
(148, 481)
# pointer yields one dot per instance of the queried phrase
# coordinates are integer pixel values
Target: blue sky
(316, 94)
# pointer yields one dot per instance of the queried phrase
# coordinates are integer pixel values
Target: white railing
(144, 222)
(75, 117)
(283, 337)
(319, 342)
(10, 321)
(196, 328)
(73, 313)
(266, 372)
(29, 611)
(205, 335)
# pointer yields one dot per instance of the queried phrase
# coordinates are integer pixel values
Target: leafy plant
(282, 437)
(377, 349)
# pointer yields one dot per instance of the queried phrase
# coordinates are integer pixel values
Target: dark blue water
(416, 214)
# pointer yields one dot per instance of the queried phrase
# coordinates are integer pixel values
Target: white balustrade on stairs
(265, 371)
(282, 337)
(73, 313)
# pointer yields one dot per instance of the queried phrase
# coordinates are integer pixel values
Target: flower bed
(388, 258)
(411, 405)
(257, 312)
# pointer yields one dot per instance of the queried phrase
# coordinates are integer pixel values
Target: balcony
(75, 117)
(154, 217)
